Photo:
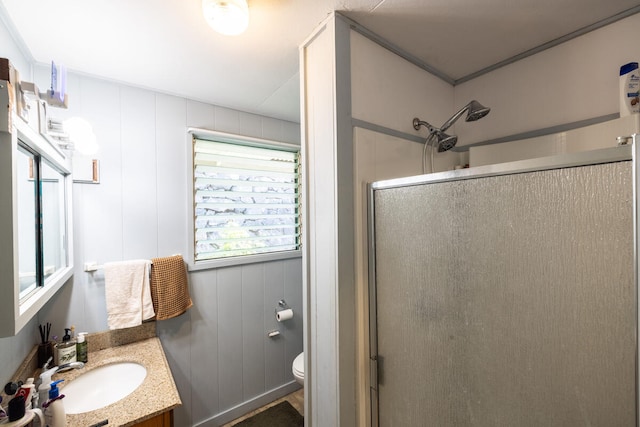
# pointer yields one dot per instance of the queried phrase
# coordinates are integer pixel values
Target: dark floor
(296, 399)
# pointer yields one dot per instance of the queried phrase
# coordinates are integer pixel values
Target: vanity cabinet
(162, 420)
(35, 218)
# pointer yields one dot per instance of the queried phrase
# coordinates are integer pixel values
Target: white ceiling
(165, 45)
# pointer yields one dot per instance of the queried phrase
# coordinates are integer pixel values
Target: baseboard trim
(250, 405)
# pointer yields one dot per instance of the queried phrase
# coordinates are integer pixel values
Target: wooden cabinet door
(162, 420)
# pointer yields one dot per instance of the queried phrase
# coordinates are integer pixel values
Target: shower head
(474, 110)
(437, 137)
(443, 141)
(446, 142)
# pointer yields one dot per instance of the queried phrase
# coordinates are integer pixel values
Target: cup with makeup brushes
(45, 348)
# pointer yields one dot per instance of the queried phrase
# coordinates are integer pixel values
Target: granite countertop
(157, 394)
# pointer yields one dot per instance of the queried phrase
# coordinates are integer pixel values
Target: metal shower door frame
(608, 155)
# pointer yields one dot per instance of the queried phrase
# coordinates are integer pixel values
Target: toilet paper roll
(283, 315)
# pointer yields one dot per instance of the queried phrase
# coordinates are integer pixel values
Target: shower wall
(389, 91)
(576, 80)
(594, 137)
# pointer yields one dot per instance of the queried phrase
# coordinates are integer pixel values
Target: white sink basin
(102, 386)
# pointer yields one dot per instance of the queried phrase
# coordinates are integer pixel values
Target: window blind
(246, 200)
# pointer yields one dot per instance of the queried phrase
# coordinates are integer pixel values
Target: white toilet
(298, 368)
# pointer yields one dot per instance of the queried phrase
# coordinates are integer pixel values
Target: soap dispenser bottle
(81, 348)
(66, 350)
(54, 413)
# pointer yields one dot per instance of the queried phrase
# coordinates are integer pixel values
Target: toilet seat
(297, 368)
(298, 365)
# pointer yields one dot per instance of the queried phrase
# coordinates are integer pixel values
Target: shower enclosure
(506, 295)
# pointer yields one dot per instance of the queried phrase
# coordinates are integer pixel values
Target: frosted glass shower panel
(507, 300)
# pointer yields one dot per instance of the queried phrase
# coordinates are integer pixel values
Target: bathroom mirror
(35, 219)
(54, 232)
(26, 229)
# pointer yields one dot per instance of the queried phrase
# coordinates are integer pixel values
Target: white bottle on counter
(629, 89)
(54, 413)
(45, 386)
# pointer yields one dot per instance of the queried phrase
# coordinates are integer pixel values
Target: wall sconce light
(228, 17)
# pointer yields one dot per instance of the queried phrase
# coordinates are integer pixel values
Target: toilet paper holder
(282, 305)
(283, 312)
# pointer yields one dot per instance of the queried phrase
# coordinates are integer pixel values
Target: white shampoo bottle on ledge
(629, 89)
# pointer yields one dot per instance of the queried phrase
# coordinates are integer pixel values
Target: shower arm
(454, 118)
(434, 132)
(417, 123)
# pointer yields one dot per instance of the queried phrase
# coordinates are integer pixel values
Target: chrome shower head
(443, 141)
(446, 142)
(474, 110)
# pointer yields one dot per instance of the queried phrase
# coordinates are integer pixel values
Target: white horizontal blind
(246, 200)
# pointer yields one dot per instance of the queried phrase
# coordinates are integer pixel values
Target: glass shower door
(507, 300)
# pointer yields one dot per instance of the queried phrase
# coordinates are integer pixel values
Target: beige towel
(128, 293)
(169, 287)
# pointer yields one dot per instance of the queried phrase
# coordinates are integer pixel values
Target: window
(246, 197)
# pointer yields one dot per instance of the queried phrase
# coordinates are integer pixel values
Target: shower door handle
(373, 371)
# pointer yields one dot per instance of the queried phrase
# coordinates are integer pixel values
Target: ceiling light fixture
(228, 17)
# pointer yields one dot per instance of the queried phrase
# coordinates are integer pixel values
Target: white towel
(128, 293)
